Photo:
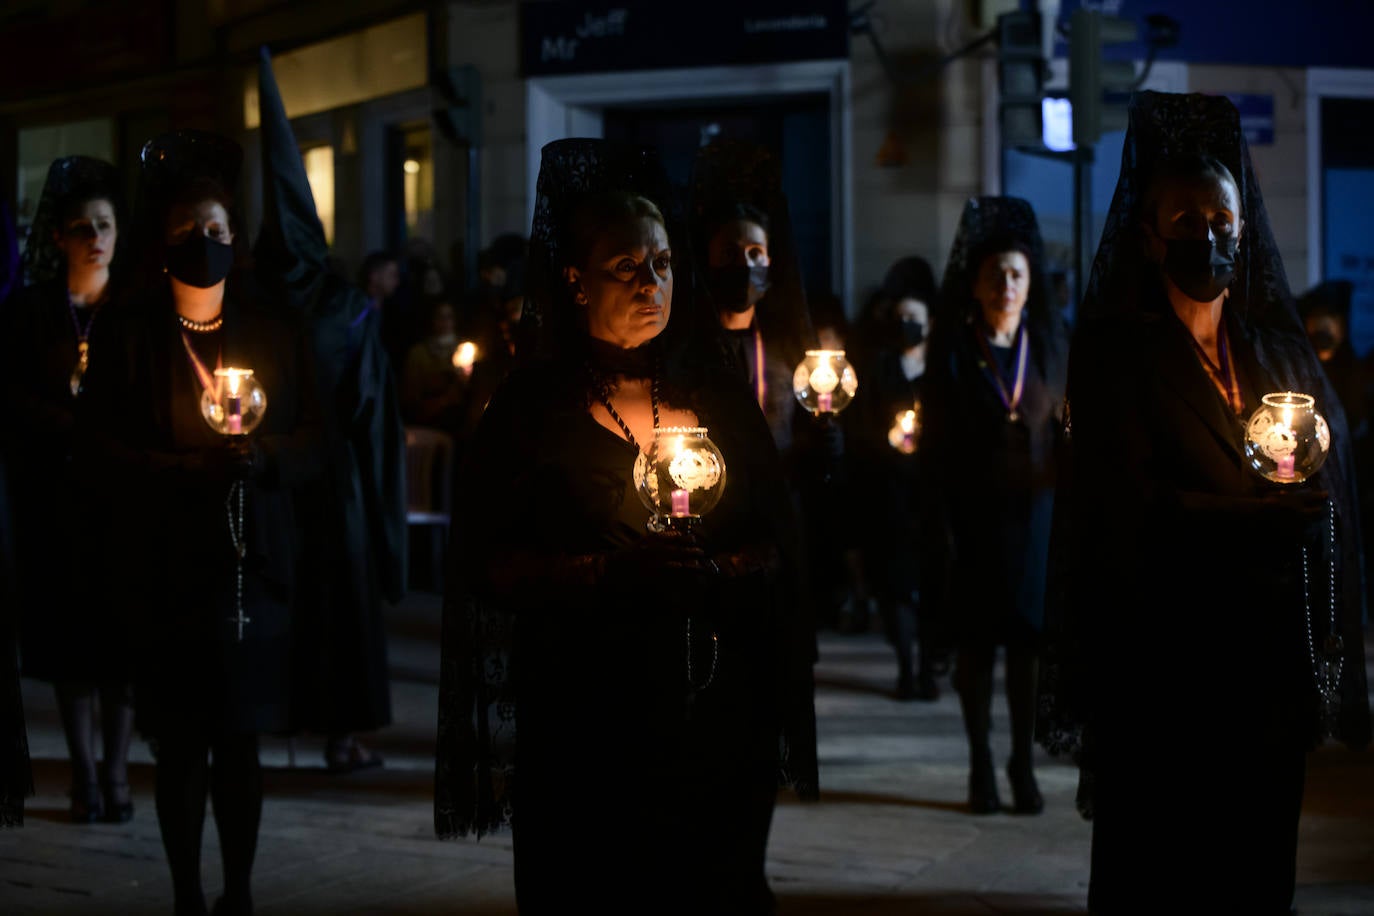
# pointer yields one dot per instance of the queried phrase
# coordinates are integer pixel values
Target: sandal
(346, 755)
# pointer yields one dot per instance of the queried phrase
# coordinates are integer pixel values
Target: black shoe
(116, 811)
(922, 687)
(982, 790)
(87, 804)
(926, 688)
(906, 688)
(1025, 793)
(233, 905)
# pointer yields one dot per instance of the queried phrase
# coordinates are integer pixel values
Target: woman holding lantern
(1207, 598)
(201, 417)
(653, 660)
(745, 262)
(885, 459)
(992, 419)
(67, 637)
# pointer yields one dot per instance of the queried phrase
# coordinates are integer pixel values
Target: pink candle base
(682, 506)
(1285, 470)
(823, 401)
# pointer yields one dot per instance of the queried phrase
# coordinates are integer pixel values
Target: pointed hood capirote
(355, 380)
(291, 244)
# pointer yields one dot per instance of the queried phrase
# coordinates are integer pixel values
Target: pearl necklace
(203, 326)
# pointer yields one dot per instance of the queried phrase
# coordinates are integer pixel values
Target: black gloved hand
(249, 461)
(1296, 512)
(670, 560)
(236, 458)
(830, 439)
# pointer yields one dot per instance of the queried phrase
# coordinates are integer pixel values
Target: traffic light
(1098, 88)
(1020, 77)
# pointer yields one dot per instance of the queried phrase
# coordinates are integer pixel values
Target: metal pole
(1082, 222)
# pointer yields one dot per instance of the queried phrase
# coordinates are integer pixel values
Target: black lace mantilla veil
(570, 170)
(726, 172)
(70, 179)
(985, 220)
(168, 164)
(1164, 125)
(475, 752)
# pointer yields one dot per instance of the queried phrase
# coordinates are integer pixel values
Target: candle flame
(465, 355)
(235, 377)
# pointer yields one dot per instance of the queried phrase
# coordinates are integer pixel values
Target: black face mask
(200, 261)
(913, 333)
(737, 288)
(1200, 268)
(1323, 340)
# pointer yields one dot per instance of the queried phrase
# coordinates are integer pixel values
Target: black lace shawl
(477, 725)
(71, 180)
(1123, 285)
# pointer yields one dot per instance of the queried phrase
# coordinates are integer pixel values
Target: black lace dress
(627, 790)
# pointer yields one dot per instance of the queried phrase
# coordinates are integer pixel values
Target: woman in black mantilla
(744, 263)
(886, 471)
(649, 750)
(211, 539)
(1199, 608)
(992, 415)
(67, 635)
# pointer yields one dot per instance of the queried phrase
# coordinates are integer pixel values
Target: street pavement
(889, 836)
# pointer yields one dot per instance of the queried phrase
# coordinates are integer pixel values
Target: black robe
(354, 515)
(146, 435)
(354, 522)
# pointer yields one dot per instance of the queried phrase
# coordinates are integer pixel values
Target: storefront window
(417, 165)
(319, 170)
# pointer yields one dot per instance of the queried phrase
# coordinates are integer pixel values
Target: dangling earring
(580, 297)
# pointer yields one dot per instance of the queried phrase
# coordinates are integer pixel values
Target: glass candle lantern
(681, 477)
(905, 433)
(235, 405)
(1286, 440)
(464, 355)
(824, 382)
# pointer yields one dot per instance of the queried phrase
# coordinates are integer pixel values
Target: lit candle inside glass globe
(681, 477)
(824, 382)
(1286, 439)
(905, 430)
(236, 403)
(464, 355)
